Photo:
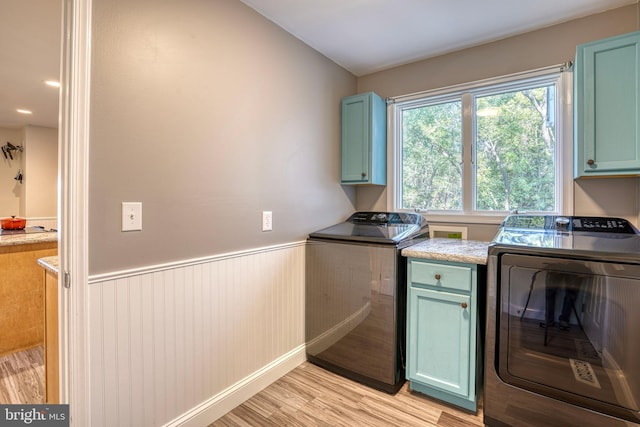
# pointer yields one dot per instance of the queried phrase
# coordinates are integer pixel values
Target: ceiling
(365, 36)
(362, 36)
(29, 55)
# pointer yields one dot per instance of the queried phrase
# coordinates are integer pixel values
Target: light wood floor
(312, 396)
(22, 377)
(306, 396)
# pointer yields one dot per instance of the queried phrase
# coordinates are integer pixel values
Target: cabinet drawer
(441, 276)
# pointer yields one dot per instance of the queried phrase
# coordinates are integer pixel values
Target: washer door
(568, 330)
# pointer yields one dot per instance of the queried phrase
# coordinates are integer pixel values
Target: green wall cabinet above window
(364, 140)
(607, 107)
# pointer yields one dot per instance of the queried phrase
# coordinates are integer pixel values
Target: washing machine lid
(603, 237)
(374, 227)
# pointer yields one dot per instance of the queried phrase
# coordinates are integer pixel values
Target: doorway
(72, 159)
(29, 125)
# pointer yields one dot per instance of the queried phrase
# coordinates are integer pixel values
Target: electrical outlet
(131, 216)
(267, 221)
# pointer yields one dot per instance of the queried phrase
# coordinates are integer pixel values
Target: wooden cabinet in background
(51, 342)
(21, 295)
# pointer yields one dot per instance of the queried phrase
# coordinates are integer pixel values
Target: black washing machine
(562, 323)
(356, 296)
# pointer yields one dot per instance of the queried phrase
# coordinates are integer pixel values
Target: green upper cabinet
(607, 107)
(364, 140)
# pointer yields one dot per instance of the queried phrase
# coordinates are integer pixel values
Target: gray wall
(208, 114)
(536, 49)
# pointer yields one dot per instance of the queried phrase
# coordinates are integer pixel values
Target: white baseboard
(218, 405)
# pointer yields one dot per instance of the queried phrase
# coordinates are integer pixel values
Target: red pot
(13, 223)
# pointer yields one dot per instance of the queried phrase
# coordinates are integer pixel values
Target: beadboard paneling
(167, 340)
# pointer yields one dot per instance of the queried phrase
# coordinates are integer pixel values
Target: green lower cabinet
(442, 324)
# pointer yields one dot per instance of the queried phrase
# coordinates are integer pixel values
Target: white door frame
(73, 162)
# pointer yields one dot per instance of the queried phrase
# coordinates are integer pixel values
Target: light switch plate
(267, 221)
(131, 216)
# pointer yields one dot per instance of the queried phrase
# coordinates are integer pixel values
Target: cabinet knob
(590, 162)
(364, 174)
(437, 277)
(464, 305)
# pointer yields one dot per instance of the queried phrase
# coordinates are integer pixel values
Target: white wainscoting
(182, 344)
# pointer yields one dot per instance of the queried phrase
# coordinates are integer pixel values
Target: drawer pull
(463, 305)
(437, 277)
(590, 162)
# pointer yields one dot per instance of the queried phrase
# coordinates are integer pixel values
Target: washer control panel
(385, 218)
(570, 223)
(603, 224)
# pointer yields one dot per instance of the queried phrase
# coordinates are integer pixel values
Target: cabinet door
(51, 342)
(607, 102)
(355, 138)
(439, 341)
(364, 140)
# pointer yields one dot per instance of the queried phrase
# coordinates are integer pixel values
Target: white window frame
(561, 76)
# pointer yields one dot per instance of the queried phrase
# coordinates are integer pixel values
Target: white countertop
(28, 238)
(50, 263)
(456, 250)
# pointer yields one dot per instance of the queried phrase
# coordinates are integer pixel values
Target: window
(484, 149)
(432, 156)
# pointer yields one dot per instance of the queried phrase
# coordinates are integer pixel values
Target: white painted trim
(394, 160)
(115, 275)
(464, 219)
(218, 405)
(559, 74)
(73, 208)
(165, 342)
(565, 163)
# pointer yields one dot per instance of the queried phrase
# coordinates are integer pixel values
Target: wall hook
(9, 148)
